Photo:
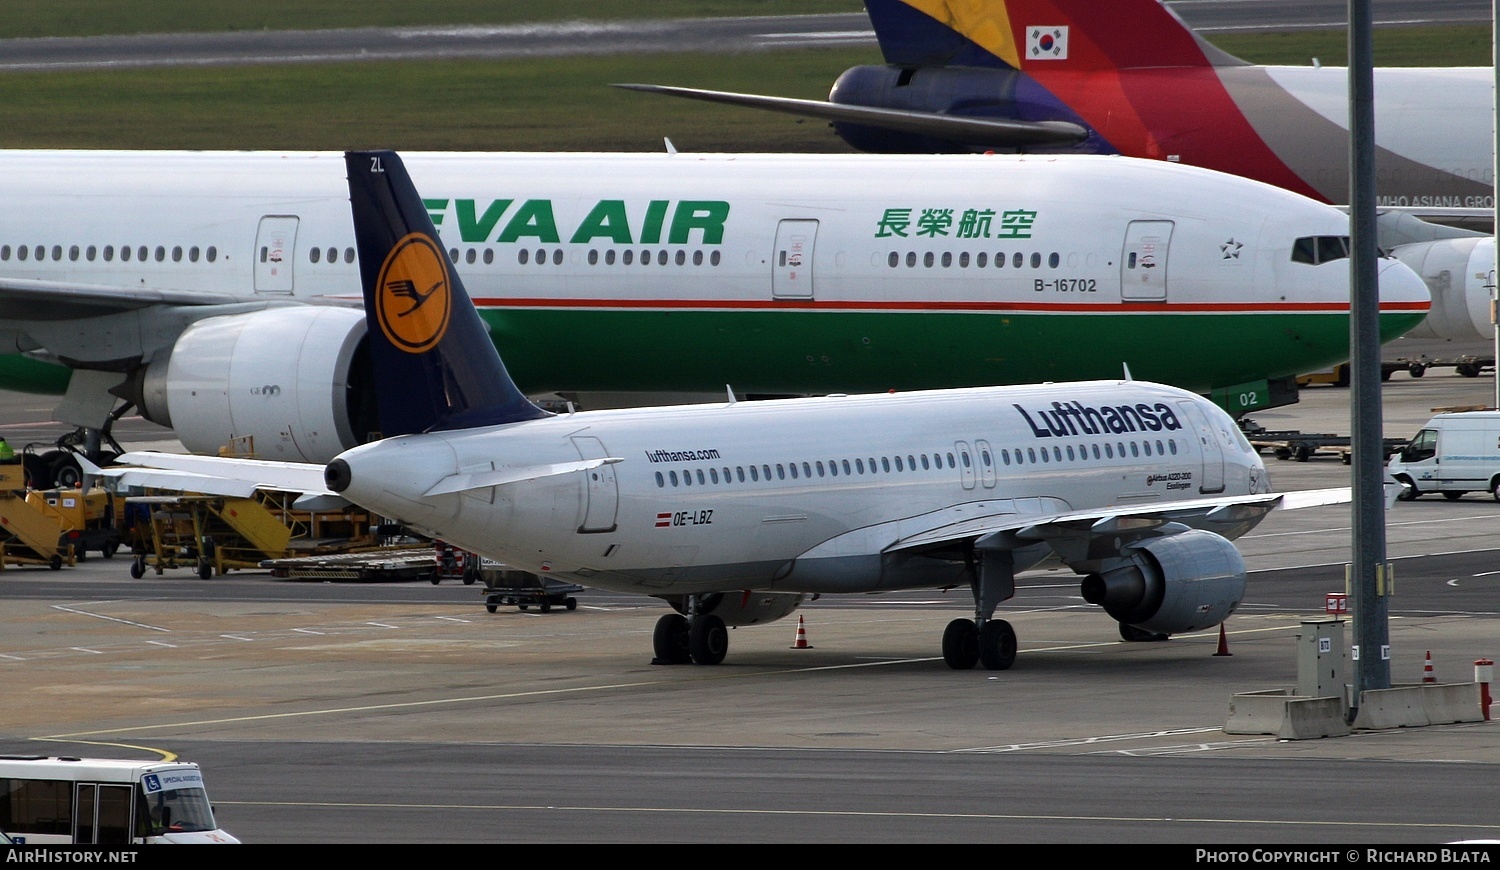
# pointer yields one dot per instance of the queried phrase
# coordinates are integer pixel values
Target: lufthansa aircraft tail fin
(435, 366)
(1032, 35)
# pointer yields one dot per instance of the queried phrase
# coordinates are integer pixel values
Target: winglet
(434, 363)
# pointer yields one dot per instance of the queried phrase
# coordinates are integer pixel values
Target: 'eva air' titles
(688, 221)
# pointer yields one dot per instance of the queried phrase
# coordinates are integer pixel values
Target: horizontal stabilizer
(179, 481)
(979, 132)
(303, 477)
(499, 477)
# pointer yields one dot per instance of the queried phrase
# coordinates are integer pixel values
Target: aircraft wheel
(1131, 634)
(66, 472)
(669, 642)
(708, 640)
(138, 567)
(997, 645)
(1453, 496)
(961, 644)
(1409, 491)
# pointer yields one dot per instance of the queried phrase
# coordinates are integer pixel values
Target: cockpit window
(1320, 249)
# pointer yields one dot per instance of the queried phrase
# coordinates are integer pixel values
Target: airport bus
(47, 800)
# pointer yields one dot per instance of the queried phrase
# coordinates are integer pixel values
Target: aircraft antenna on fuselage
(1126, 366)
(430, 351)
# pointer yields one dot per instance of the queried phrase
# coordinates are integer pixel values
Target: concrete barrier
(1413, 706)
(1287, 716)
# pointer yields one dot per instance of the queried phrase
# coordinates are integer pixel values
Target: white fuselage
(803, 495)
(1433, 123)
(592, 232)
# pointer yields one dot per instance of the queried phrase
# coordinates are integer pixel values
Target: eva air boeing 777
(733, 512)
(218, 293)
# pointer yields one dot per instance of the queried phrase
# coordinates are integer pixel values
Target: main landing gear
(984, 639)
(700, 638)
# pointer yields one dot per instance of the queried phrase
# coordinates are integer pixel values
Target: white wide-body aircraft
(218, 293)
(734, 511)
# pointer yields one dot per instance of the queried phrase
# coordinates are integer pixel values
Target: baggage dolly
(509, 587)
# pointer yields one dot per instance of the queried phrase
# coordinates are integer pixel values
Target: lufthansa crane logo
(413, 295)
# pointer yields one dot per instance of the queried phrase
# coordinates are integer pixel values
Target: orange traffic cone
(1427, 676)
(1223, 643)
(801, 636)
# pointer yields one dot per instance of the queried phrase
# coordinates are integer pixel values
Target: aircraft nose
(1404, 299)
(1400, 285)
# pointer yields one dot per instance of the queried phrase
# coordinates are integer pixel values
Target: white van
(1453, 454)
(88, 800)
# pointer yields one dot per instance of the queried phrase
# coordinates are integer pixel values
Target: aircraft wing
(979, 132)
(32, 299)
(1072, 533)
(1075, 535)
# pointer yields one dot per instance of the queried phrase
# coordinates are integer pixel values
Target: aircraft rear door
(275, 251)
(792, 267)
(1209, 448)
(602, 492)
(1143, 263)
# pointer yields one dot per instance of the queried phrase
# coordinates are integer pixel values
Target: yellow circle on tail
(414, 294)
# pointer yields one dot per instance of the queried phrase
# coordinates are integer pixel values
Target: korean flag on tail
(1047, 43)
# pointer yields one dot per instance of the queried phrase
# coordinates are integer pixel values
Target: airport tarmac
(385, 712)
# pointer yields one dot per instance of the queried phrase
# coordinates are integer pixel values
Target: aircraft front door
(275, 252)
(1209, 446)
(792, 269)
(601, 492)
(1143, 264)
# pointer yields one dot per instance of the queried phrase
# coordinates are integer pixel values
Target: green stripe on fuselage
(839, 351)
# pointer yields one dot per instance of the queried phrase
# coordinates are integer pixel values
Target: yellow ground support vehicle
(29, 534)
(87, 517)
(214, 534)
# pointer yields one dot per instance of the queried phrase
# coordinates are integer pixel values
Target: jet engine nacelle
(296, 379)
(1183, 582)
(1459, 274)
(743, 607)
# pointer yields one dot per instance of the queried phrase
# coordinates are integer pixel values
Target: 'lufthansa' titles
(1065, 419)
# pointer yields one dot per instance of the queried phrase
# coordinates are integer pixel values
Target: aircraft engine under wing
(978, 132)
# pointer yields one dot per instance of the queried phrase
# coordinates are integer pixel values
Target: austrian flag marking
(663, 520)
